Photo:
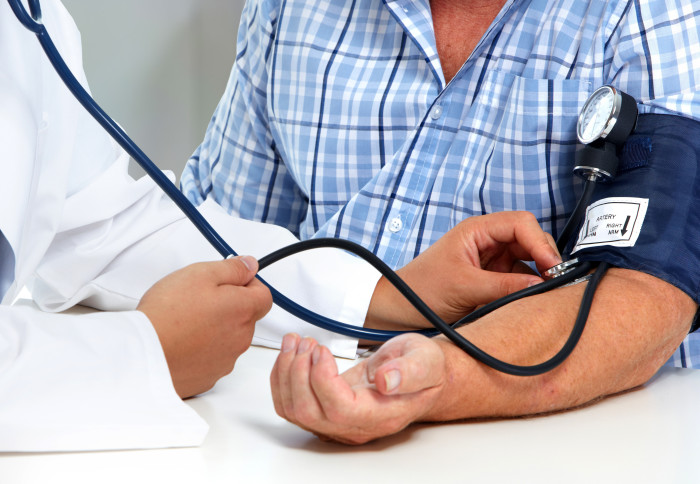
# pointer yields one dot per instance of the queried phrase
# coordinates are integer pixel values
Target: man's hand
(379, 396)
(635, 324)
(475, 263)
(205, 316)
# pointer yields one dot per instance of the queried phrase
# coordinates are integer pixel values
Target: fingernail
(316, 355)
(392, 379)
(304, 345)
(250, 262)
(288, 343)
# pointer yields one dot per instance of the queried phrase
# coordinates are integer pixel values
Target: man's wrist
(390, 310)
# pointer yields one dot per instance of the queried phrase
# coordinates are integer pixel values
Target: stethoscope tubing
(33, 23)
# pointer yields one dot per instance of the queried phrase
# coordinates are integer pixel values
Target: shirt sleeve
(239, 164)
(87, 382)
(654, 48)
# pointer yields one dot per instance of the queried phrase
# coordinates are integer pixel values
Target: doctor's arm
(99, 380)
(635, 324)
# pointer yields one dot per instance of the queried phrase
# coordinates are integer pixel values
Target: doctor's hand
(379, 396)
(476, 262)
(205, 315)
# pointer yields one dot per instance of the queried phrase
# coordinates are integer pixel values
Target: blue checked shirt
(337, 120)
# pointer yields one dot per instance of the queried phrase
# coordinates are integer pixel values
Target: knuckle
(525, 220)
(528, 216)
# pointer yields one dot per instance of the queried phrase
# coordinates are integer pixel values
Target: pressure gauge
(608, 114)
(607, 118)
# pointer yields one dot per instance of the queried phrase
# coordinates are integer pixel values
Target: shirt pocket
(519, 139)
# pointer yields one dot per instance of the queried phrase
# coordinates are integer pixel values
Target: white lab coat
(78, 229)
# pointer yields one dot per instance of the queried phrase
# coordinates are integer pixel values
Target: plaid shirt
(337, 120)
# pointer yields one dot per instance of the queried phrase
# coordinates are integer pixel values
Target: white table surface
(647, 435)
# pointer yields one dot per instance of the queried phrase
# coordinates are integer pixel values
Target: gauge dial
(598, 115)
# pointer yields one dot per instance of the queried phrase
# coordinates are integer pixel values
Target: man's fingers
(292, 393)
(536, 242)
(279, 377)
(495, 285)
(308, 391)
(332, 392)
(522, 232)
(305, 407)
(306, 387)
(544, 263)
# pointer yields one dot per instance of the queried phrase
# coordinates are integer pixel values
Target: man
(77, 229)
(389, 122)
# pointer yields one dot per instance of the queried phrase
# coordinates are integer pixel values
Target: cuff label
(613, 221)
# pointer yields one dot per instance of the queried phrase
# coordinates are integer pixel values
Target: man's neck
(459, 25)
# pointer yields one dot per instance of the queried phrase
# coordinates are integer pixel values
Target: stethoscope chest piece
(561, 269)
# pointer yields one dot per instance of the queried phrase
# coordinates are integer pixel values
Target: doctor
(75, 228)
(108, 380)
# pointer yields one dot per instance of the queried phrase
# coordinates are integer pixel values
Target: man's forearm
(635, 324)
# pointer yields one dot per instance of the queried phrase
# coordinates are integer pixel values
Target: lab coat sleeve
(60, 391)
(118, 237)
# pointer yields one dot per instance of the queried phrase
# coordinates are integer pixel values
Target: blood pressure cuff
(648, 218)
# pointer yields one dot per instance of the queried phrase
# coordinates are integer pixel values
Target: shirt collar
(415, 18)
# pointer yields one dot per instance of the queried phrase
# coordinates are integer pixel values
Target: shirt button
(437, 112)
(395, 224)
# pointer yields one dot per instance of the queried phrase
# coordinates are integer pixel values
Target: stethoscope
(606, 120)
